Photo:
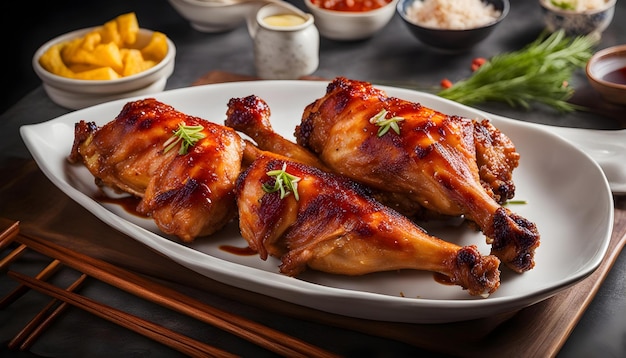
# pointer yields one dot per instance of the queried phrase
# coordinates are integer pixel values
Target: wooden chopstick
(8, 235)
(22, 289)
(161, 334)
(261, 335)
(42, 320)
(12, 256)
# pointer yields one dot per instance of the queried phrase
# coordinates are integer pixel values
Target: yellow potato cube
(91, 40)
(81, 67)
(101, 73)
(107, 52)
(134, 62)
(52, 62)
(103, 55)
(156, 49)
(110, 33)
(74, 51)
(128, 27)
(108, 55)
(69, 48)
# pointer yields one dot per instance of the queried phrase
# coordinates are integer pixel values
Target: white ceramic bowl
(215, 16)
(606, 71)
(75, 93)
(346, 25)
(577, 23)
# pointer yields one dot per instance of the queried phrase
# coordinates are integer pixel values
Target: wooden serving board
(539, 330)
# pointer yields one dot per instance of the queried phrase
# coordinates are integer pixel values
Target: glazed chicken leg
(329, 223)
(433, 160)
(251, 115)
(188, 194)
(449, 165)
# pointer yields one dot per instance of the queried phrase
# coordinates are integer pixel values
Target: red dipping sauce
(351, 5)
(618, 76)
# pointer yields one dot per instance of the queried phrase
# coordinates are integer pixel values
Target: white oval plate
(567, 196)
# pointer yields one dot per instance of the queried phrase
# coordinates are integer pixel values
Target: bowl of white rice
(452, 25)
(578, 17)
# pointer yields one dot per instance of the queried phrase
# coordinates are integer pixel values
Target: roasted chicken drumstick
(450, 165)
(316, 219)
(188, 193)
(251, 115)
(429, 157)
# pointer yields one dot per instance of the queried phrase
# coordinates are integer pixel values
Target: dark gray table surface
(392, 56)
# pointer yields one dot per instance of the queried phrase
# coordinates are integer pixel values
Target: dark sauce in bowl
(616, 76)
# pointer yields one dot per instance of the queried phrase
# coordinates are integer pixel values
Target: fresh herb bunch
(540, 72)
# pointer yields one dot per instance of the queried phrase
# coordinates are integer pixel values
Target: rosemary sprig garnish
(540, 73)
(516, 202)
(386, 123)
(186, 135)
(284, 182)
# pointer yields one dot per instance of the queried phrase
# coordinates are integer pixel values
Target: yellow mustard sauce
(285, 20)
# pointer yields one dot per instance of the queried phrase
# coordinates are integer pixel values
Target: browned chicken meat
(449, 164)
(251, 115)
(435, 163)
(311, 218)
(183, 168)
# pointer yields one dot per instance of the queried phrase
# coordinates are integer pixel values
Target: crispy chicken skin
(334, 226)
(448, 164)
(187, 195)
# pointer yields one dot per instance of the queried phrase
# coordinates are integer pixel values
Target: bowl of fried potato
(104, 63)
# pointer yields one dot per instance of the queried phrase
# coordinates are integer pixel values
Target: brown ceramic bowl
(606, 71)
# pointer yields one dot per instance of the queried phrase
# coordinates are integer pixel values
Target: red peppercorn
(446, 83)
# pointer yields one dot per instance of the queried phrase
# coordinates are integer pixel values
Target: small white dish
(287, 48)
(567, 195)
(351, 25)
(215, 16)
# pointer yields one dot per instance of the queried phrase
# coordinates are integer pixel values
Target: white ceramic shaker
(286, 42)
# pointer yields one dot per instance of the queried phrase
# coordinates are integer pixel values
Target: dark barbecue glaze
(446, 163)
(187, 195)
(336, 227)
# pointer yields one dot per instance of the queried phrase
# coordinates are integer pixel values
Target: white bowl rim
(43, 73)
(372, 12)
(546, 4)
(505, 11)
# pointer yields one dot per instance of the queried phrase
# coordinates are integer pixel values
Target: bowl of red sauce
(349, 20)
(606, 71)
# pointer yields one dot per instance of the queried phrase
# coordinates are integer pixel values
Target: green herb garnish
(516, 202)
(186, 135)
(564, 4)
(386, 123)
(539, 73)
(284, 182)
